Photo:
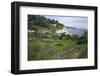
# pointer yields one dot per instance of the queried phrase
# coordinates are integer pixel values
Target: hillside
(37, 23)
(48, 39)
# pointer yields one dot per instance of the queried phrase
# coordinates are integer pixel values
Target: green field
(46, 49)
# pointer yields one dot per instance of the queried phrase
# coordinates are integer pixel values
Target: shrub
(59, 45)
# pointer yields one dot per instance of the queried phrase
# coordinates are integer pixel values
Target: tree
(59, 26)
(83, 39)
(74, 37)
(62, 36)
(35, 22)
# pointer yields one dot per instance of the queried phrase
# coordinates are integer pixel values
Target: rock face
(64, 30)
(54, 25)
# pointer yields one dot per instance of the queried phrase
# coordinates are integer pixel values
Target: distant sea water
(76, 31)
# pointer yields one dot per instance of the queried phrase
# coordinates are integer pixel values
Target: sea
(76, 31)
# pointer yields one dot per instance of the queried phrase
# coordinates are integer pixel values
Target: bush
(83, 39)
(74, 37)
(59, 45)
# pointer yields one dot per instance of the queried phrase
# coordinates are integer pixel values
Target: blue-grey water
(75, 31)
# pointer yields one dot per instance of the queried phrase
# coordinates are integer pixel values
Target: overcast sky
(72, 21)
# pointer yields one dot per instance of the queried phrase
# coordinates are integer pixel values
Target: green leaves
(36, 22)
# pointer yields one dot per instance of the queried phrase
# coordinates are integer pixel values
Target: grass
(44, 49)
(77, 52)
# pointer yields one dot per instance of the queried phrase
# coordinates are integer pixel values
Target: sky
(71, 21)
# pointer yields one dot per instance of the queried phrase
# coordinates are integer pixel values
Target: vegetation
(45, 43)
(46, 49)
(40, 22)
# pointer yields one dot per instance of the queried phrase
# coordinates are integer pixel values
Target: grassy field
(47, 49)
